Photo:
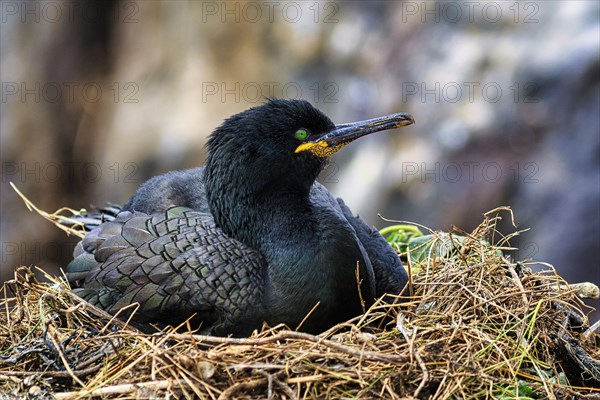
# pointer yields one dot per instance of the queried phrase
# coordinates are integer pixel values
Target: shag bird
(249, 238)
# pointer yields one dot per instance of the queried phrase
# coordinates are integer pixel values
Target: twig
(366, 355)
(64, 360)
(308, 315)
(275, 378)
(55, 217)
(248, 385)
(591, 330)
(54, 374)
(116, 389)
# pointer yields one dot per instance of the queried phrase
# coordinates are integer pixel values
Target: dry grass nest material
(476, 326)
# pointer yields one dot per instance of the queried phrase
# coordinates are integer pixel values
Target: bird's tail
(93, 218)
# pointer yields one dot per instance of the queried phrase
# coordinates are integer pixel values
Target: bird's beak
(343, 134)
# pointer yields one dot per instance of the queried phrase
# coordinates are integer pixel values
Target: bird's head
(281, 145)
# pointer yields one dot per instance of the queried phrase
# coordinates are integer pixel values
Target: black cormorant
(248, 238)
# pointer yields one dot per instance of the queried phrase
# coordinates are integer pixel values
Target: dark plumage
(246, 239)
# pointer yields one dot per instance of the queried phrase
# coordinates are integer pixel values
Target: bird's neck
(282, 224)
(257, 219)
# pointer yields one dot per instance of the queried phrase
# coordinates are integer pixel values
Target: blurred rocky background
(99, 96)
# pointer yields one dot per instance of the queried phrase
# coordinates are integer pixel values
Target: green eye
(301, 134)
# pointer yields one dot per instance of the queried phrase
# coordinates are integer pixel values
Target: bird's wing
(320, 196)
(174, 264)
(390, 275)
(183, 188)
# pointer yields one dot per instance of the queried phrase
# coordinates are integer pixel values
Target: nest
(476, 325)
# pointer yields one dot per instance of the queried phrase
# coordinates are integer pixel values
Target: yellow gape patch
(320, 148)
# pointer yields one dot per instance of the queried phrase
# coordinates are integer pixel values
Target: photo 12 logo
(470, 172)
(257, 92)
(470, 11)
(51, 172)
(471, 92)
(26, 253)
(269, 11)
(69, 92)
(49, 11)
